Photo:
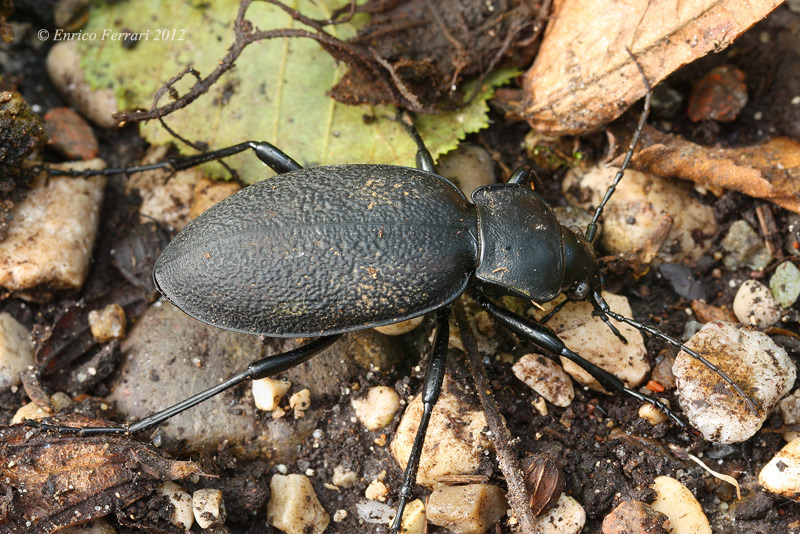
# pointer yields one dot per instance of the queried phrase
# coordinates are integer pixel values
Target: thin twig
(517, 493)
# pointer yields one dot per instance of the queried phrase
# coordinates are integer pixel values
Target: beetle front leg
(547, 340)
(432, 386)
(262, 368)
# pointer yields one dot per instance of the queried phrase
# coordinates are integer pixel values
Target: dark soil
(608, 453)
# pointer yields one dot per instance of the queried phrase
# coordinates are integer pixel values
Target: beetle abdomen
(323, 250)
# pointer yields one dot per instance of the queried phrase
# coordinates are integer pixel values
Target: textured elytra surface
(324, 250)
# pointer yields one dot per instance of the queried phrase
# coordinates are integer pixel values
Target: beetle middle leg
(262, 368)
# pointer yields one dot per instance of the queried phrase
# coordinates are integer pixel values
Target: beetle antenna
(591, 230)
(603, 308)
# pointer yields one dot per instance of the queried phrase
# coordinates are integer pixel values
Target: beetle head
(581, 268)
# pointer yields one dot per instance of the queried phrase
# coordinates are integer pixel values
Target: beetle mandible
(322, 251)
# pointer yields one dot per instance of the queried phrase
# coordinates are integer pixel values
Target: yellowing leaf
(276, 92)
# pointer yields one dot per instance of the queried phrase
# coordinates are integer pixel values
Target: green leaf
(276, 92)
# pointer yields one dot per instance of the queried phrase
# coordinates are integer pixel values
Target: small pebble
(449, 449)
(182, 515)
(744, 248)
(635, 517)
(63, 67)
(662, 372)
(51, 237)
(375, 512)
(790, 408)
(69, 134)
(32, 411)
(403, 327)
(377, 408)
(546, 378)
(208, 192)
(208, 507)
(674, 500)
(755, 306)
(108, 323)
(268, 392)
(300, 402)
(653, 415)
(637, 211)
(468, 166)
(785, 284)
(16, 351)
(376, 491)
(469, 509)
(414, 519)
(589, 336)
(781, 475)
(343, 477)
(752, 360)
(719, 95)
(293, 506)
(567, 517)
(339, 515)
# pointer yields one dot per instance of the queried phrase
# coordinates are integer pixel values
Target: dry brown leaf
(54, 480)
(770, 170)
(583, 77)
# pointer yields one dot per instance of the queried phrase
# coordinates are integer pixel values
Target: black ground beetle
(322, 251)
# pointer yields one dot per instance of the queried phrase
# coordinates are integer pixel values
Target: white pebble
(468, 509)
(752, 360)
(637, 208)
(403, 327)
(414, 519)
(754, 305)
(268, 392)
(566, 517)
(300, 402)
(52, 234)
(108, 323)
(448, 449)
(344, 478)
(63, 67)
(653, 414)
(16, 351)
(790, 408)
(591, 338)
(546, 378)
(293, 506)
(208, 507)
(468, 166)
(781, 475)
(377, 409)
(375, 512)
(182, 515)
(674, 500)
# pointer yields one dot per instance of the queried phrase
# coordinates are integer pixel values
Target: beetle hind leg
(262, 368)
(432, 386)
(272, 156)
